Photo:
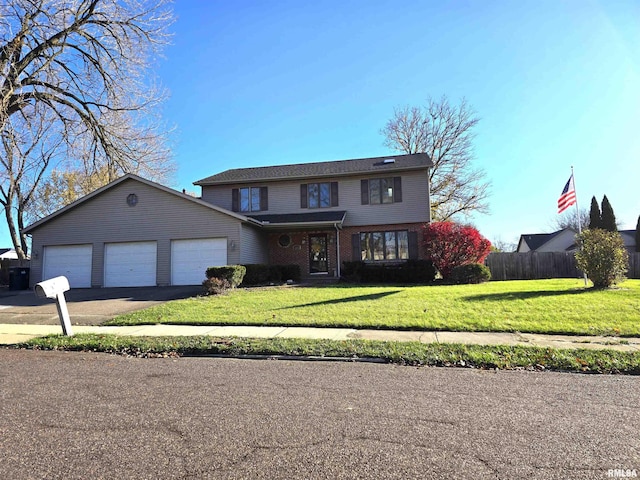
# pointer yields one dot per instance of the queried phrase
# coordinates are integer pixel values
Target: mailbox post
(55, 288)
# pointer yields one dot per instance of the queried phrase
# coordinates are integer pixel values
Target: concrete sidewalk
(14, 333)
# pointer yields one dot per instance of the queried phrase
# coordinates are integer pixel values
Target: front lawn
(539, 306)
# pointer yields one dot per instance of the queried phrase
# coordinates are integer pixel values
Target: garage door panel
(191, 258)
(71, 261)
(130, 264)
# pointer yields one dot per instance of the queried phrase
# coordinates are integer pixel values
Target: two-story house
(134, 232)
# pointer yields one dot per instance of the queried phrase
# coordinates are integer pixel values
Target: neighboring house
(564, 241)
(629, 239)
(561, 241)
(8, 254)
(134, 232)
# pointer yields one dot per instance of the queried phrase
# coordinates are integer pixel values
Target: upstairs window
(319, 195)
(249, 199)
(381, 190)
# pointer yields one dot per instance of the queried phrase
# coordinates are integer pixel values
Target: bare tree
(80, 69)
(570, 219)
(27, 148)
(501, 245)
(445, 132)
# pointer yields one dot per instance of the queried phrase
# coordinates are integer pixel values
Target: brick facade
(297, 252)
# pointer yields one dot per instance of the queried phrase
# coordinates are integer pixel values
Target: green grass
(561, 306)
(407, 353)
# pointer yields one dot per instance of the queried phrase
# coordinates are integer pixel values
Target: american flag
(568, 196)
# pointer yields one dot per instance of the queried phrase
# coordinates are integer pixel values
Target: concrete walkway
(15, 333)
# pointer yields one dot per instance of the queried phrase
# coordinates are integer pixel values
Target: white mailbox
(52, 287)
(55, 288)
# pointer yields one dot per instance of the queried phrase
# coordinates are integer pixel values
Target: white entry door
(71, 261)
(191, 258)
(131, 264)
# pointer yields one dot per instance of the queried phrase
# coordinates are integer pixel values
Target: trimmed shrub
(470, 273)
(261, 274)
(257, 274)
(602, 256)
(290, 272)
(216, 286)
(411, 271)
(231, 273)
(351, 271)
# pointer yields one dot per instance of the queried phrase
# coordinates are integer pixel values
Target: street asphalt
(84, 415)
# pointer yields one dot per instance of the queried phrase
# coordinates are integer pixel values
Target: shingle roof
(331, 216)
(536, 240)
(390, 163)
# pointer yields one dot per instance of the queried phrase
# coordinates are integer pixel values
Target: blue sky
(555, 83)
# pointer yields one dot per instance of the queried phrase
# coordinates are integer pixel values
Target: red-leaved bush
(449, 245)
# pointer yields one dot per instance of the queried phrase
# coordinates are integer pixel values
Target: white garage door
(72, 261)
(130, 264)
(191, 258)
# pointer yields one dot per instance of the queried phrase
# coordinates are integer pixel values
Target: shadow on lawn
(498, 297)
(357, 298)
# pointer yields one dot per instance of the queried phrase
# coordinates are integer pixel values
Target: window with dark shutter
(319, 195)
(364, 192)
(334, 194)
(249, 199)
(397, 189)
(235, 195)
(264, 198)
(356, 253)
(413, 246)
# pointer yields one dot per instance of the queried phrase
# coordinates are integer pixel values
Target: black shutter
(235, 194)
(303, 196)
(397, 189)
(413, 246)
(364, 192)
(264, 199)
(334, 194)
(356, 252)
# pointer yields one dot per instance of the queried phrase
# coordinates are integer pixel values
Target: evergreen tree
(638, 235)
(608, 217)
(595, 219)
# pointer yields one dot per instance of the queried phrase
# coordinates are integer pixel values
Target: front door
(318, 254)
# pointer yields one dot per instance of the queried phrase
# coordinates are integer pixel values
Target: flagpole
(577, 209)
(578, 217)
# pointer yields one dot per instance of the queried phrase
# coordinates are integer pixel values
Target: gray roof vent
(389, 160)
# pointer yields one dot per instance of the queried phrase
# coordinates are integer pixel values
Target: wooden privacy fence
(537, 265)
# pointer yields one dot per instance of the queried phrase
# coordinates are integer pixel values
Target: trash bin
(18, 278)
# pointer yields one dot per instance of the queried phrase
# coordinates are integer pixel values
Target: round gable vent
(132, 199)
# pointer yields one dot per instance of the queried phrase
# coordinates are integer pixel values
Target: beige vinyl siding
(284, 197)
(253, 245)
(158, 216)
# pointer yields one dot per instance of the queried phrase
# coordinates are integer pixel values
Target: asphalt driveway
(87, 306)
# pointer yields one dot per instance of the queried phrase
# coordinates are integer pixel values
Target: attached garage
(130, 264)
(191, 258)
(134, 232)
(71, 261)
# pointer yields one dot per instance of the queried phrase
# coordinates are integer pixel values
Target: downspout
(337, 249)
